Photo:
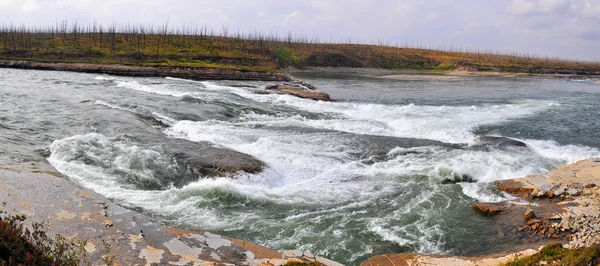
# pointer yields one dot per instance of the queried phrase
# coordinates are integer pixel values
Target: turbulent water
(336, 181)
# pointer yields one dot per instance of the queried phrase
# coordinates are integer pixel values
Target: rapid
(347, 180)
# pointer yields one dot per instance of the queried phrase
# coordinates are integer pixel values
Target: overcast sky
(561, 28)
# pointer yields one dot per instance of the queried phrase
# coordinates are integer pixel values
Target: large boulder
(206, 160)
(301, 91)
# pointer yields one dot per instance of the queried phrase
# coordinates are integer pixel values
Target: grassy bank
(200, 48)
(555, 254)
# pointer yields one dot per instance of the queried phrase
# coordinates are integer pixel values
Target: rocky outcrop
(568, 201)
(121, 235)
(82, 215)
(142, 71)
(565, 207)
(299, 90)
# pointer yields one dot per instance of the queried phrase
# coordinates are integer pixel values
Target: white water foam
(443, 123)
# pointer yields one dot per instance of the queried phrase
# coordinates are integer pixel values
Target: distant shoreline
(196, 73)
(401, 73)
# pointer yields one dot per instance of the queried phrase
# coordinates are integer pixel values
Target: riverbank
(120, 236)
(564, 206)
(444, 75)
(149, 71)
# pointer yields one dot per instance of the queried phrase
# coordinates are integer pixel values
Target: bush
(21, 246)
(286, 57)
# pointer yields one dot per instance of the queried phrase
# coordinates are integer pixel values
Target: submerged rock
(486, 142)
(303, 91)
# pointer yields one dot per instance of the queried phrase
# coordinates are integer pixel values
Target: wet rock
(513, 187)
(302, 91)
(489, 209)
(459, 179)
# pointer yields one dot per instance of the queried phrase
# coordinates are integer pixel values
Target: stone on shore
(302, 91)
(529, 214)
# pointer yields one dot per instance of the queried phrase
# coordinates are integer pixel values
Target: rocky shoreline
(123, 236)
(564, 207)
(290, 85)
(568, 202)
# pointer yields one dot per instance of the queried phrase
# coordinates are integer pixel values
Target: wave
(141, 111)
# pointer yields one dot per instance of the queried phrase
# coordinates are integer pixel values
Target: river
(340, 179)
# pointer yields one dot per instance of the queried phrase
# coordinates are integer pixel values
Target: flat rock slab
(582, 173)
(489, 209)
(133, 239)
(302, 92)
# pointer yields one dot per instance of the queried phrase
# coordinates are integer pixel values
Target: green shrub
(21, 246)
(286, 57)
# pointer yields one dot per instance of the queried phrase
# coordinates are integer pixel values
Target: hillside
(137, 47)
